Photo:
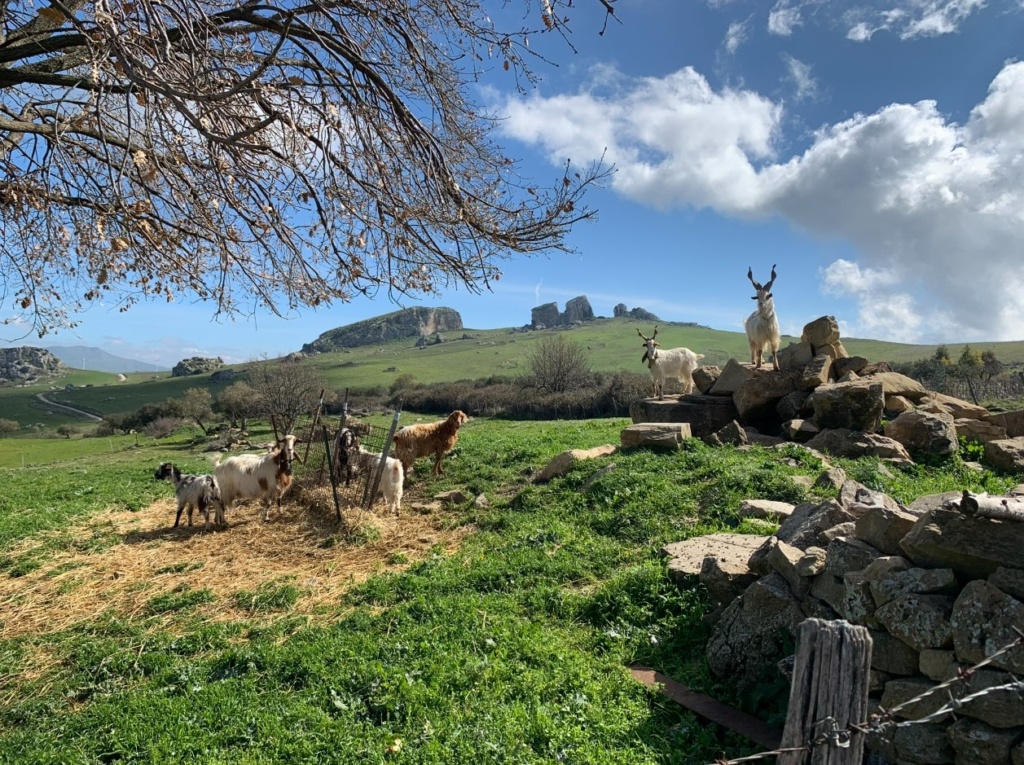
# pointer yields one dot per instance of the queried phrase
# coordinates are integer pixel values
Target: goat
(251, 476)
(763, 325)
(346, 449)
(428, 438)
(392, 480)
(677, 363)
(193, 492)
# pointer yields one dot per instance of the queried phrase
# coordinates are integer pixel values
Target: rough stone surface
(855, 405)
(883, 528)
(974, 547)
(564, 462)
(733, 375)
(659, 435)
(984, 620)
(920, 621)
(976, 743)
(822, 331)
(843, 442)
(196, 365)
(26, 365)
(704, 414)
(765, 508)
(748, 640)
(1006, 454)
(407, 323)
(924, 433)
(685, 559)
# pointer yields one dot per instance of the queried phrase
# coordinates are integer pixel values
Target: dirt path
(70, 409)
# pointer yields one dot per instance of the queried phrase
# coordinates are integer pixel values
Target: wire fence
(321, 465)
(829, 733)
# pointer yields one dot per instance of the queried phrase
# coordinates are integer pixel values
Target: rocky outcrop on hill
(196, 365)
(27, 365)
(409, 322)
(633, 313)
(576, 310)
(939, 585)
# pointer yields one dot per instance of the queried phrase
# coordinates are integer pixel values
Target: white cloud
(735, 36)
(784, 18)
(908, 19)
(800, 75)
(937, 206)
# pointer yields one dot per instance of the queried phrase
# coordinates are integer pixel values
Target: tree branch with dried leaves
(262, 156)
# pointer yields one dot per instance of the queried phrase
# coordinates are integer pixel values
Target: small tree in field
(238, 403)
(285, 391)
(197, 405)
(67, 431)
(8, 426)
(558, 365)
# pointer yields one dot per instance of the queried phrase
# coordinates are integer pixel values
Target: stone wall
(938, 587)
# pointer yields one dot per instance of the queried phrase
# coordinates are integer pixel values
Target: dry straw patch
(302, 546)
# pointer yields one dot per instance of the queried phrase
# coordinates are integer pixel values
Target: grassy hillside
(612, 344)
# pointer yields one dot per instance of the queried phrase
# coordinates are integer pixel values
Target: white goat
(763, 325)
(194, 492)
(391, 481)
(251, 476)
(677, 363)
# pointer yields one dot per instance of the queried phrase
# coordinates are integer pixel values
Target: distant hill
(409, 322)
(98, 360)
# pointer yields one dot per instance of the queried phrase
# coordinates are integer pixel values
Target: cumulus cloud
(935, 206)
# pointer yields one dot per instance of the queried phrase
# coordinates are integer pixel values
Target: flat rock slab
(705, 414)
(663, 435)
(732, 550)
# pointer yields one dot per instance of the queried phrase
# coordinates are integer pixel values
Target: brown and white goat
(763, 325)
(257, 476)
(677, 363)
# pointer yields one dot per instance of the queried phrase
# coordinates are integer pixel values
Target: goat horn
(642, 335)
(655, 332)
(768, 286)
(750, 275)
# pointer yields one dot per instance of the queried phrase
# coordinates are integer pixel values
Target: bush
(163, 427)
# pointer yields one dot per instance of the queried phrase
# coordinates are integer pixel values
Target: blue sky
(873, 151)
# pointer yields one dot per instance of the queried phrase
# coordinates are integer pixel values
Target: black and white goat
(763, 325)
(257, 476)
(346, 451)
(195, 492)
(677, 363)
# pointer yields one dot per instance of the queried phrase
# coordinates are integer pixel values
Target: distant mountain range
(98, 360)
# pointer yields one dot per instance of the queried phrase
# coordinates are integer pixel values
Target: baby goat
(251, 476)
(763, 325)
(193, 492)
(677, 363)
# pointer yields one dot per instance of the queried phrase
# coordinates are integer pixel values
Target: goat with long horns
(677, 363)
(763, 325)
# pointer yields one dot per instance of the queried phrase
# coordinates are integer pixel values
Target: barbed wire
(834, 735)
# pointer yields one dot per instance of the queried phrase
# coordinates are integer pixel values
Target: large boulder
(26, 364)
(1006, 454)
(843, 442)
(924, 433)
(973, 546)
(577, 309)
(856, 405)
(407, 323)
(544, 316)
(821, 332)
(756, 398)
(705, 414)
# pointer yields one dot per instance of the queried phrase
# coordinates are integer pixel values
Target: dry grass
(303, 546)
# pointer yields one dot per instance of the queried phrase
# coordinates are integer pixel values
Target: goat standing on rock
(763, 325)
(677, 363)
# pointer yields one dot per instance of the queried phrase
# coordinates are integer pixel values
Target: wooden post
(374, 482)
(829, 692)
(330, 473)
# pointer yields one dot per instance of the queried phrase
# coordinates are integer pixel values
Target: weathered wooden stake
(829, 692)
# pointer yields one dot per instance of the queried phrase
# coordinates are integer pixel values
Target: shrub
(163, 427)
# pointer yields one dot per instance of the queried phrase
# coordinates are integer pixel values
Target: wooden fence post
(829, 692)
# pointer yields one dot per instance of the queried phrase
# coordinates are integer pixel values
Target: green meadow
(496, 632)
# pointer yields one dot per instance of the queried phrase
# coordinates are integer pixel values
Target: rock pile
(835, 403)
(196, 365)
(939, 586)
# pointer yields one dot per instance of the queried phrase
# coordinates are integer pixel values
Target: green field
(611, 345)
(462, 634)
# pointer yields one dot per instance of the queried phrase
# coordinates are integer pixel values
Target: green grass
(470, 354)
(513, 649)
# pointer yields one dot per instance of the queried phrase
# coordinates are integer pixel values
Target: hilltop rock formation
(26, 365)
(409, 322)
(576, 310)
(637, 313)
(196, 365)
